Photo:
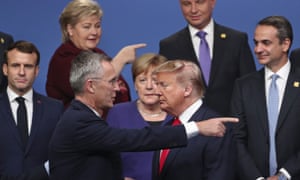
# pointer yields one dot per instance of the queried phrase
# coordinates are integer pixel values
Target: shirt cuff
(46, 165)
(191, 129)
(285, 173)
(260, 178)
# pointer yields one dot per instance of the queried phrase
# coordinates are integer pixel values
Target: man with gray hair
(83, 146)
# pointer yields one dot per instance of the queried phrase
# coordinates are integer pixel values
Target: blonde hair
(146, 61)
(185, 71)
(76, 10)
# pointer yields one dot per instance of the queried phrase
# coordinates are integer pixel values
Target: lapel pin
(2, 41)
(296, 84)
(223, 36)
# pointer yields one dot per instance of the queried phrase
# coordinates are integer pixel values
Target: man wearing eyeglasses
(83, 146)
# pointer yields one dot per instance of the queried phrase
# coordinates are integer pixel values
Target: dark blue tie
(22, 121)
(204, 56)
(273, 104)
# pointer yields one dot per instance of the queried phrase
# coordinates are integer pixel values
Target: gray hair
(86, 65)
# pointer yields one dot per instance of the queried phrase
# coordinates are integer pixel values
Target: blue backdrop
(132, 21)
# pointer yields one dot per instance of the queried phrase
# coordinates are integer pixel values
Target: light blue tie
(273, 104)
(204, 57)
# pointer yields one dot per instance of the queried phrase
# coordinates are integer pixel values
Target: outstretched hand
(215, 126)
(126, 55)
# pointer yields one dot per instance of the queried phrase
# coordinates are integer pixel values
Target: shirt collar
(190, 111)
(283, 72)
(12, 95)
(209, 28)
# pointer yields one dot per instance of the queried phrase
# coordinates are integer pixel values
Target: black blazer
(5, 41)
(295, 57)
(204, 158)
(252, 131)
(83, 146)
(14, 162)
(232, 58)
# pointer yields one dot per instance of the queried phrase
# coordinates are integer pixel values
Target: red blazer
(58, 85)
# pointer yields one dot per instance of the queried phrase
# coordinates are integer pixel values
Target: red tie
(165, 152)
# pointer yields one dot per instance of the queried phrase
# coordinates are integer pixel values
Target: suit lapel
(292, 91)
(261, 108)
(8, 118)
(186, 43)
(175, 151)
(36, 119)
(219, 47)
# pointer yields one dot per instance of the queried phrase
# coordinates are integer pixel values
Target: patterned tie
(204, 56)
(165, 152)
(22, 120)
(273, 104)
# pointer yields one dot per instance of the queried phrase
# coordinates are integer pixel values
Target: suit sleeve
(245, 164)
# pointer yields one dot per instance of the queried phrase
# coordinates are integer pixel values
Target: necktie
(22, 120)
(273, 104)
(165, 152)
(204, 56)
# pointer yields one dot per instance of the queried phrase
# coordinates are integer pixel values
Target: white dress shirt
(28, 103)
(209, 29)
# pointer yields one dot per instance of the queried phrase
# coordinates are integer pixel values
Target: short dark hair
(24, 47)
(282, 25)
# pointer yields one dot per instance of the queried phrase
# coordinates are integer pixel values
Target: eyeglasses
(112, 82)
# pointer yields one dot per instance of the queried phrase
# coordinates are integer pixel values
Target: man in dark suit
(181, 89)
(295, 57)
(230, 54)
(268, 135)
(83, 146)
(5, 41)
(24, 145)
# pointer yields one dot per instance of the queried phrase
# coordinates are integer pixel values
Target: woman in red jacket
(80, 24)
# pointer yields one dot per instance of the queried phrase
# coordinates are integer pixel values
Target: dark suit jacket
(14, 162)
(83, 146)
(204, 157)
(252, 132)
(232, 58)
(5, 41)
(295, 57)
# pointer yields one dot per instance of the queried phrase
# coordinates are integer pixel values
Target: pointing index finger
(140, 45)
(229, 119)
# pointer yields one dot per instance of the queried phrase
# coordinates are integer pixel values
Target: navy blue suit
(83, 146)
(5, 41)
(14, 162)
(209, 158)
(295, 57)
(232, 58)
(252, 131)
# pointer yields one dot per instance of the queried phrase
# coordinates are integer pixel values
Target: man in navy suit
(19, 158)
(5, 41)
(269, 148)
(230, 53)
(83, 146)
(181, 89)
(295, 57)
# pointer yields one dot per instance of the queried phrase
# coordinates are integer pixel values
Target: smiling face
(21, 70)
(197, 12)
(86, 33)
(268, 48)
